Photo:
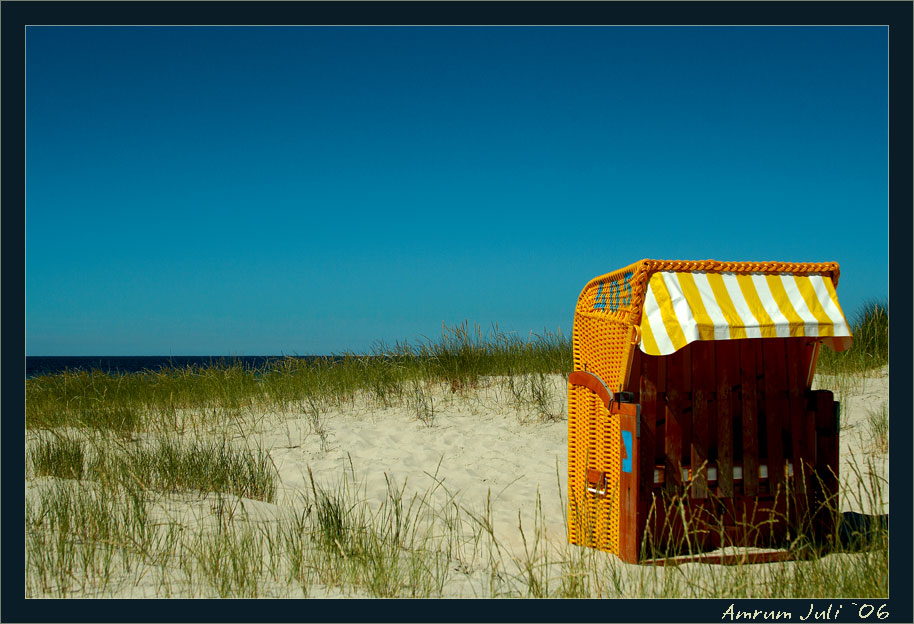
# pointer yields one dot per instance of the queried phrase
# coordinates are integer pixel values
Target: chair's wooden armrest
(591, 381)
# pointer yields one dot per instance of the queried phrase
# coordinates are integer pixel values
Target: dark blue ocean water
(51, 365)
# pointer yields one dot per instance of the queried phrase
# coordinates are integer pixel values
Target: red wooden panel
(660, 432)
(796, 398)
(647, 442)
(827, 435)
(704, 380)
(775, 358)
(684, 383)
(748, 352)
(827, 460)
(661, 374)
(678, 377)
(634, 376)
(811, 435)
(628, 483)
(727, 352)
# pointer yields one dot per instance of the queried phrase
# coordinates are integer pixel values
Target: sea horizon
(37, 365)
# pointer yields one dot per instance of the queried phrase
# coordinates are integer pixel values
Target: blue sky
(250, 191)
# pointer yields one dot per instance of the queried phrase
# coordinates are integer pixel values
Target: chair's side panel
(578, 522)
(594, 436)
(609, 440)
(727, 356)
(602, 343)
(605, 325)
(627, 414)
(827, 432)
(677, 416)
(590, 491)
(603, 346)
(647, 372)
(593, 476)
(775, 387)
(704, 417)
(799, 434)
(748, 365)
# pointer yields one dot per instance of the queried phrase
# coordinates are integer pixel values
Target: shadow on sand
(858, 532)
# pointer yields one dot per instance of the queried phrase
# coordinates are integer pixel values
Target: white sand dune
(479, 447)
(482, 449)
(482, 445)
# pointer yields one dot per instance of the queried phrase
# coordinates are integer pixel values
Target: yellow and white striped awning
(681, 307)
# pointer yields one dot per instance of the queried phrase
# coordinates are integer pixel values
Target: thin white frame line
(457, 25)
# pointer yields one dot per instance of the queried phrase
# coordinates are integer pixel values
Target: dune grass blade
(58, 456)
(877, 421)
(171, 465)
(112, 451)
(78, 537)
(870, 349)
(173, 399)
(166, 465)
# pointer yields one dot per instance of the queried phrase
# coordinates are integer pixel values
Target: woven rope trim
(743, 267)
(649, 267)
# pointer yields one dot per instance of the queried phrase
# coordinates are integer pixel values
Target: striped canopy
(682, 307)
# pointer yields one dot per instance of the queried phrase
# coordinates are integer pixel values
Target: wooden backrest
(724, 404)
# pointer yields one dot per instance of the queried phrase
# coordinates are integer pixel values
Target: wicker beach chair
(692, 426)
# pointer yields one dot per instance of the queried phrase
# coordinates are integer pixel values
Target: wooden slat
(826, 459)
(748, 352)
(827, 429)
(678, 377)
(629, 537)
(796, 398)
(811, 434)
(647, 442)
(775, 359)
(685, 410)
(726, 559)
(813, 492)
(660, 431)
(761, 422)
(703, 384)
(727, 352)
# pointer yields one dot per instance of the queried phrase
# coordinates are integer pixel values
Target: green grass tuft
(114, 450)
(870, 349)
(58, 456)
(200, 397)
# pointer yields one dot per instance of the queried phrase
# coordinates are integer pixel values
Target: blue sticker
(627, 462)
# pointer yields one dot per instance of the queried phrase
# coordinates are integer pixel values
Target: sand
(481, 446)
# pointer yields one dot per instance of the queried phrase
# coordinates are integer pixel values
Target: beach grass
(877, 421)
(94, 539)
(81, 538)
(870, 349)
(167, 464)
(179, 399)
(111, 457)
